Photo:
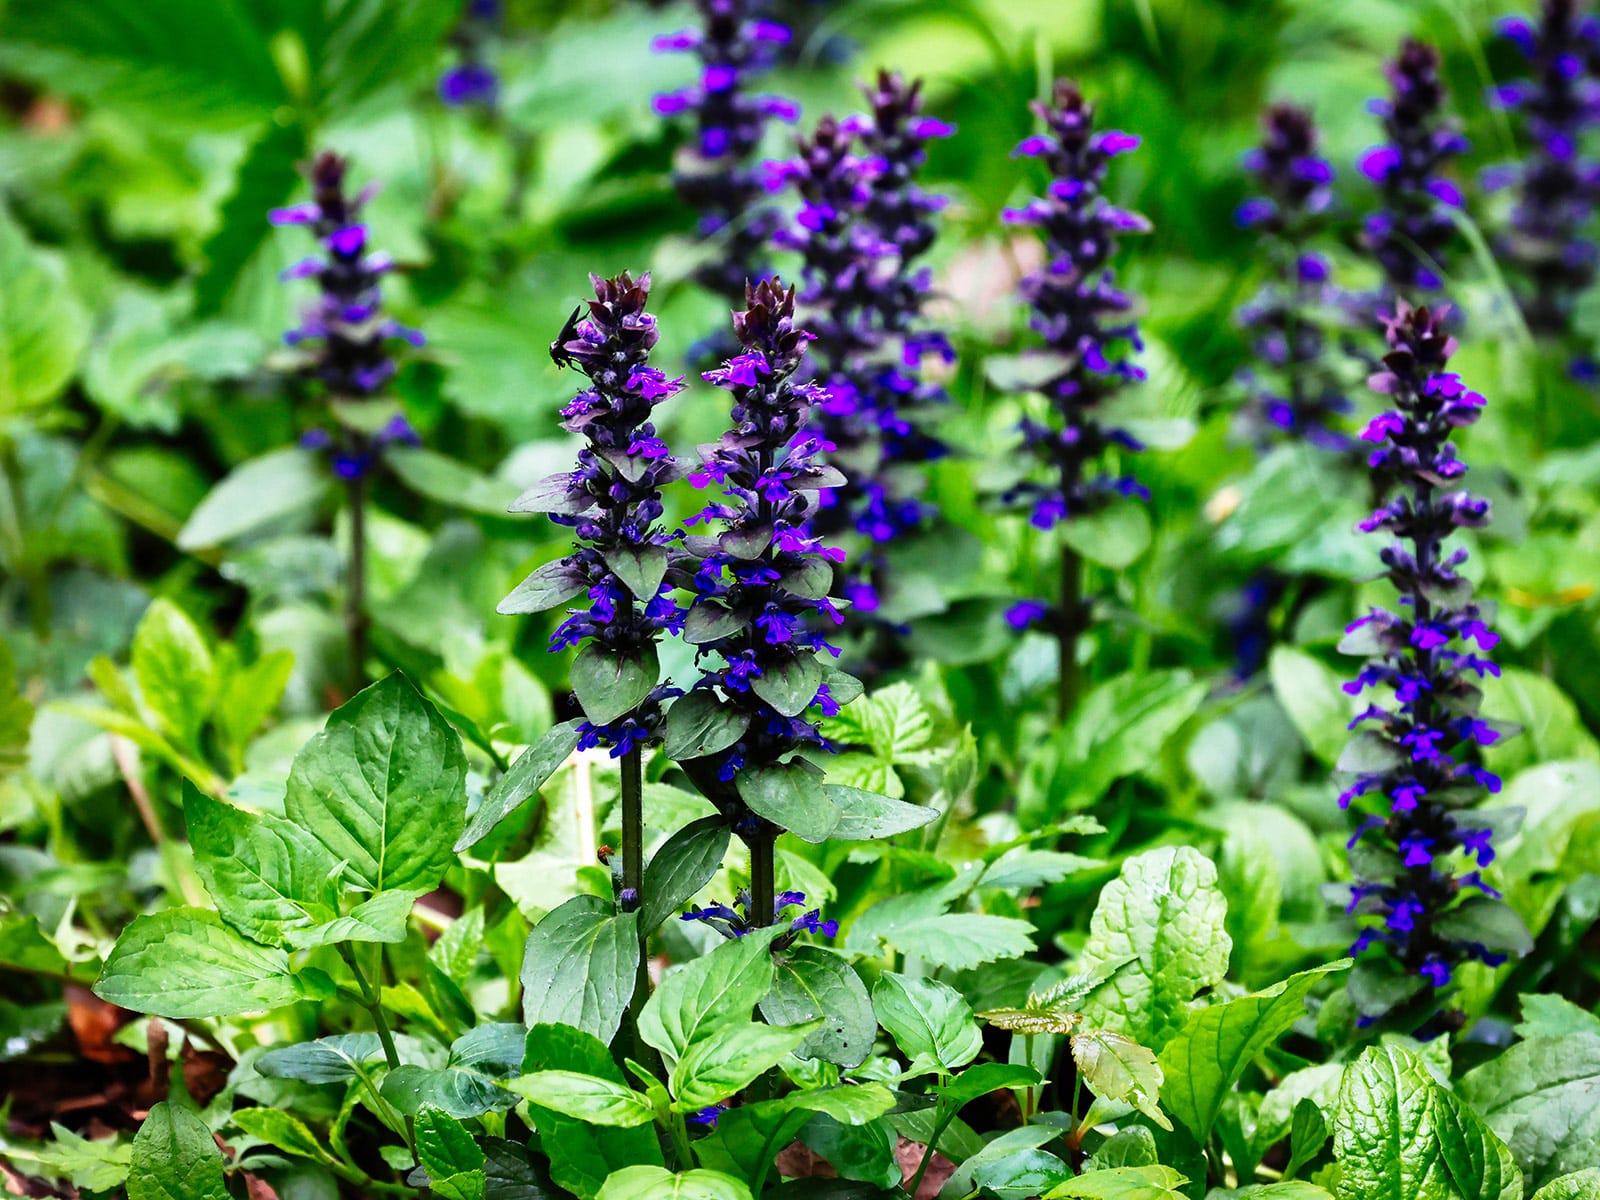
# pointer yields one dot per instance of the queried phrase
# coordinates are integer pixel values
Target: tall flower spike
(611, 502)
(1298, 393)
(472, 81)
(1556, 184)
(1421, 844)
(345, 333)
(1412, 231)
(716, 173)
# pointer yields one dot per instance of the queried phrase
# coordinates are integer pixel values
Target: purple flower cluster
(352, 456)
(346, 328)
(1557, 185)
(1303, 397)
(1413, 761)
(717, 175)
(1082, 315)
(612, 501)
(733, 921)
(1411, 232)
(762, 581)
(472, 81)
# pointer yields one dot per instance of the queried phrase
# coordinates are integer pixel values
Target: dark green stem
(1069, 624)
(763, 873)
(633, 887)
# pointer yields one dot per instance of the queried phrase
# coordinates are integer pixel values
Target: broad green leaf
(1165, 912)
(257, 495)
(283, 1130)
(1205, 1058)
(185, 962)
(268, 177)
(862, 1153)
(266, 875)
(960, 941)
(545, 588)
(1122, 1183)
(864, 816)
(929, 1021)
(609, 684)
(450, 1156)
(452, 1090)
(658, 1183)
(326, 1060)
(1012, 1141)
(441, 478)
(1117, 1068)
(1541, 1097)
(1580, 1185)
(380, 919)
(383, 787)
(586, 1097)
(1313, 696)
(640, 567)
(1544, 1015)
(24, 946)
(791, 686)
(579, 966)
(43, 328)
(791, 797)
(1400, 1136)
(1114, 536)
(175, 1158)
(981, 1080)
(682, 866)
(813, 983)
(523, 781)
(699, 724)
(173, 667)
(1551, 728)
(1121, 726)
(721, 987)
(725, 1059)
(849, 1104)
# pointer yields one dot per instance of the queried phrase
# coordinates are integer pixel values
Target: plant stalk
(633, 886)
(763, 873)
(373, 1002)
(1069, 624)
(355, 596)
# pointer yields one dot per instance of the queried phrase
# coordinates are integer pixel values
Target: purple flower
(1428, 730)
(735, 921)
(1411, 233)
(472, 81)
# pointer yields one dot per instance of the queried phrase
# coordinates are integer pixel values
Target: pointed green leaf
(513, 789)
(175, 1158)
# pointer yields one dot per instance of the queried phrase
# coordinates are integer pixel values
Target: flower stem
(633, 886)
(1068, 625)
(355, 595)
(763, 871)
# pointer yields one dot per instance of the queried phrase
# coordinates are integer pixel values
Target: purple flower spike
(1415, 805)
(734, 921)
(1557, 187)
(1412, 233)
(612, 501)
(1294, 389)
(472, 82)
(718, 176)
(1082, 316)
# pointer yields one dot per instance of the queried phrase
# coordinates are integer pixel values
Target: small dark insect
(569, 331)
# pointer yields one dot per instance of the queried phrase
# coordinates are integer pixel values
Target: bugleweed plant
(749, 851)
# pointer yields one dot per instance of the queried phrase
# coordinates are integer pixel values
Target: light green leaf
(849, 1104)
(383, 787)
(960, 941)
(929, 1021)
(1208, 1055)
(816, 984)
(172, 665)
(1166, 912)
(380, 919)
(721, 987)
(283, 1130)
(864, 816)
(723, 1060)
(441, 478)
(43, 328)
(1543, 1097)
(579, 965)
(326, 1060)
(1120, 727)
(450, 1156)
(1312, 694)
(1580, 1185)
(586, 1097)
(175, 1158)
(185, 962)
(1551, 728)
(658, 1183)
(1123, 1183)
(257, 495)
(523, 781)
(1117, 1068)
(1114, 536)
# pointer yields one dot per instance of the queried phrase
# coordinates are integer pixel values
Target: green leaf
(981, 1080)
(185, 962)
(1400, 1136)
(1208, 1055)
(1123, 1183)
(257, 495)
(658, 1183)
(960, 941)
(849, 1104)
(1117, 1068)
(452, 1090)
(522, 782)
(1540, 1096)
(722, 1061)
(864, 816)
(441, 478)
(383, 787)
(172, 665)
(247, 697)
(1312, 693)
(816, 984)
(547, 587)
(682, 866)
(641, 568)
(450, 1156)
(100, 1165)
(1551, 728)
(699, 724)
(43, 328)
(579, 966)
(1552, 1016)
(175, 1158)
(266, 875)
(24, 946)
(790, 686)
(1120, 727)
(865, 1153)
(1166, 912)
(1308, 1133)
(791, 797)
(1491, 923)
(268, 178)
(283, 1130)
(721, 987)
(929, 1021)
(326, 1060)
(586, 1097)
(609, 685)
(380, 919)
(1580, 1185)
(1114, 536)
(16, 715)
